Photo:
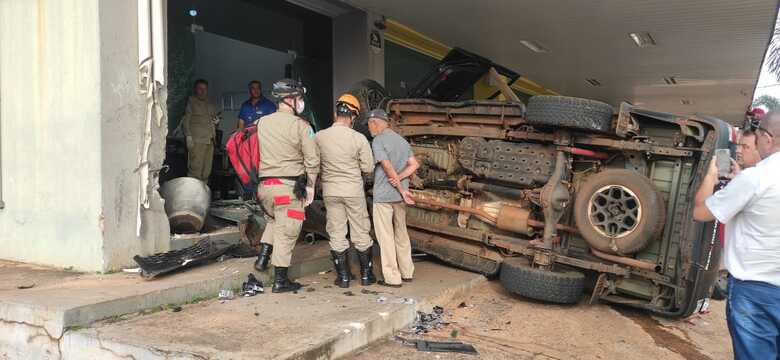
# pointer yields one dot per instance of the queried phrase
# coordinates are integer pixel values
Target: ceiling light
(670, 80)
(685, 101)
(593, 82)
(642, 39)
(534, 46)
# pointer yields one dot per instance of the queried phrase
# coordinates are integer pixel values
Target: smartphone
(723, 162)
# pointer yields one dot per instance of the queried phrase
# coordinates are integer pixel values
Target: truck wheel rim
(614, 211)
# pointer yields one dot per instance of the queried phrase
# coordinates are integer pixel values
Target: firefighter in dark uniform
(289, 165)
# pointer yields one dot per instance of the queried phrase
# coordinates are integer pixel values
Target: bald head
(768, 135)
(771, 122)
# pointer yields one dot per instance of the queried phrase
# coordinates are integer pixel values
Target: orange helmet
(348, 104)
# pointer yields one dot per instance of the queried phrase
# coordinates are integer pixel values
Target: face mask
(300, 106)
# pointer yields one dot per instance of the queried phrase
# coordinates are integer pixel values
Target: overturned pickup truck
(565, 195)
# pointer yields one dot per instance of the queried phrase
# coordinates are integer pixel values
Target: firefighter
(345, 156)
(289, 165)
(198, 124)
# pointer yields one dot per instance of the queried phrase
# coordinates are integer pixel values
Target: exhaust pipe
(644, 265)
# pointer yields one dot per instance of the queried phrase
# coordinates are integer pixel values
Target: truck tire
(619, 211)
(371, 95)
(570, 112)
(556, 286)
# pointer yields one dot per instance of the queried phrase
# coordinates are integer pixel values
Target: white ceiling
(714, 48)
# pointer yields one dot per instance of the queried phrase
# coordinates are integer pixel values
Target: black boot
(346, 265)
(282, 283)
(340, 263)
(366, 267)
(261, 264)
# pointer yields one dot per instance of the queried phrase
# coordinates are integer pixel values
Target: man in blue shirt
(256, 107)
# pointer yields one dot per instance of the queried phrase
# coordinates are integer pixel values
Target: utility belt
(297, 182)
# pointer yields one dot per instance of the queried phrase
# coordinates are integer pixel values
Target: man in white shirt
(750, 207)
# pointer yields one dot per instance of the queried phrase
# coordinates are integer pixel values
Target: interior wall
(51, 133)
(228, 65)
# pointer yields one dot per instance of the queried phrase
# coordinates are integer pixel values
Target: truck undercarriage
(564, 196)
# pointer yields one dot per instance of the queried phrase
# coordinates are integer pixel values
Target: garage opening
(230, 43)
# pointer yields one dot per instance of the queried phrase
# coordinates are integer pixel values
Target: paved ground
(319, 320)
(502, 326)
(21, 276)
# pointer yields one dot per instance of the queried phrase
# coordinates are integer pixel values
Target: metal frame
(494, 120)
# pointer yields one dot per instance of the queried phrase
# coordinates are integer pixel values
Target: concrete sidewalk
(38, 317)
(320, 321)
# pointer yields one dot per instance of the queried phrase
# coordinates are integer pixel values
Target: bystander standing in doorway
(198, 124)
(255, 107)
(748, 206)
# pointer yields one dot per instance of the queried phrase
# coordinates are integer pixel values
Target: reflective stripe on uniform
(269, 182)
(295, 214)
(282, 200)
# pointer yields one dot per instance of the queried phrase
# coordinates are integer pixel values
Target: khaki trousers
(283, 228)
(199, 160)
(393, 239)
(343, 210)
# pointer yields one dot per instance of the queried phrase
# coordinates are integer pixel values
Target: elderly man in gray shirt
(395, 164)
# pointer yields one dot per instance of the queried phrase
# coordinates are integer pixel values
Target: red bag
(243, 149)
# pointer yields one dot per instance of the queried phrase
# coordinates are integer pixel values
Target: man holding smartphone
(747, 205)
(747, 154)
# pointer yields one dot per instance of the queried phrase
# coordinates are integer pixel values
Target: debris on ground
(176, 308)
(369, 292)
(381, 299)
(406, 301)
(29, 285)
(309, 289)
(439, 346)
(426, 322)
(226, 294)
(349, 293)
(464, 305)
(163, 263)
(132, 270)
(252, 286)
(419, 256)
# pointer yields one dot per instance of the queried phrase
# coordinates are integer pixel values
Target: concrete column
(72, 121)
(123, 114)
(51, 132)
(354, 59)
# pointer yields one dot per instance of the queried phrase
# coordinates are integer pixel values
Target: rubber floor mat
(162, 263)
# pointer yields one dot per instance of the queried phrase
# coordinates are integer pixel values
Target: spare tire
(570, 112)
(557, 285)
(371, 95)
(619, 211)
